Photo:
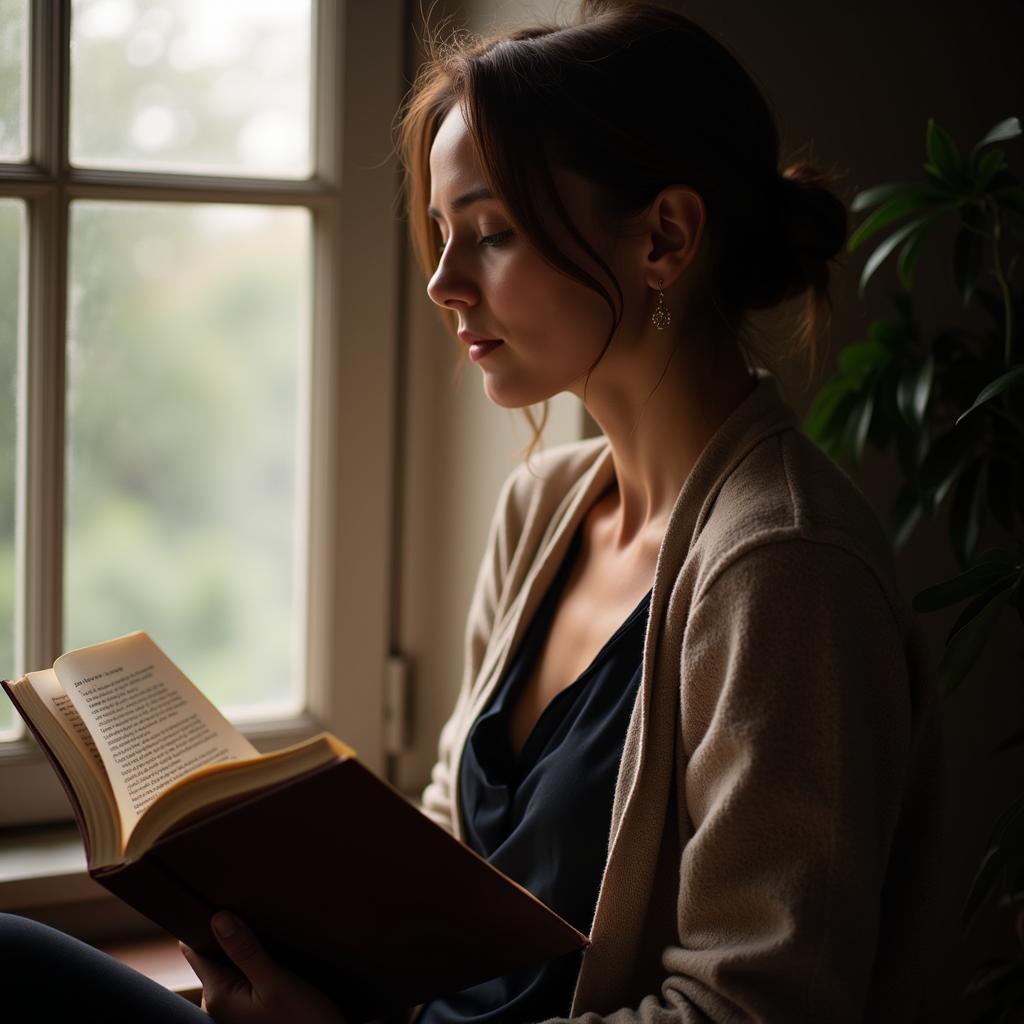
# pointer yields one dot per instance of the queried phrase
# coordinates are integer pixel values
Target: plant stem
(1003, 287)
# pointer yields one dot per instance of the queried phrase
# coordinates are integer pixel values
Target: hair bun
(815, 218)
(802, 225)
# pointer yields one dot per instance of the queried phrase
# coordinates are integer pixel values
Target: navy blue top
(543, 815)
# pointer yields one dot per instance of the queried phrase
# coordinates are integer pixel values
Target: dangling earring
(661, 317)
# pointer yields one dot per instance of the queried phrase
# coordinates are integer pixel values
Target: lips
(479, 349)
(479, 346)
(470, 338)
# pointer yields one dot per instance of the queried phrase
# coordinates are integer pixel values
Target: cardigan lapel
(646, 771)
(512, 623)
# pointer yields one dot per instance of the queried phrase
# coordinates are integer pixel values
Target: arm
(794, 744)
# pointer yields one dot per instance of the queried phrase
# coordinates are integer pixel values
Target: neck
(657, 430)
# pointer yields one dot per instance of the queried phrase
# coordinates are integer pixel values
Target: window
(198, 285)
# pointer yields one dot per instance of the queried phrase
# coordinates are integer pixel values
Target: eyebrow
(466, 199)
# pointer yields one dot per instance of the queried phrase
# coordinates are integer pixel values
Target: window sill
(43, 866)
(43, 876)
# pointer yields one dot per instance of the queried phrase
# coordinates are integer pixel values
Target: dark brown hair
(634, 98)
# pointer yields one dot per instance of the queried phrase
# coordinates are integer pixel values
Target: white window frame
(352, 373)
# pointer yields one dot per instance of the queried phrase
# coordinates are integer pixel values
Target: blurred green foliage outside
(187, 343)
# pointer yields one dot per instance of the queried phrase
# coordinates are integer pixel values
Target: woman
(731, 780)
(696, 716)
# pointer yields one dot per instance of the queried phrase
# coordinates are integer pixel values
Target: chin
(510, 396)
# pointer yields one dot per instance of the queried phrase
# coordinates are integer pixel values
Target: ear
(674, 229)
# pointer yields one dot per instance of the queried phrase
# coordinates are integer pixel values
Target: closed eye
(497, 238)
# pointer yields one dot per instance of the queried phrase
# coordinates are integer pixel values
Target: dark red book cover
(348, 885)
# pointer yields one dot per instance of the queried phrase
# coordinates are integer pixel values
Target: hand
(256, 990)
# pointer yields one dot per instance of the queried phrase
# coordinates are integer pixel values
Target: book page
(150, 724)
(49, 690)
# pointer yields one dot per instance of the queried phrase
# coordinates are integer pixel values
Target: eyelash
(491, 240)
(497, 238)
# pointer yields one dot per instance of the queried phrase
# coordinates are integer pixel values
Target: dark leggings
(46, 975)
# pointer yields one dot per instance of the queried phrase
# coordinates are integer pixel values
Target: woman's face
(551, 328)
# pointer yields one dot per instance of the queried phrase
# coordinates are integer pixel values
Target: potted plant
(950, 407)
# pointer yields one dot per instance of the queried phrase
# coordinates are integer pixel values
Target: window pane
(13, 79)
(12, 241)
(188, 335)
(192, 85)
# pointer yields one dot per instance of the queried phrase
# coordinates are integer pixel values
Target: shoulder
(787, 503)
(792, 563)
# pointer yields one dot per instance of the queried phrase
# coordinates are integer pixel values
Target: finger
(245, 951)
(211, 973)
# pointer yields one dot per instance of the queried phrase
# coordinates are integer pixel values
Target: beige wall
(857, 82)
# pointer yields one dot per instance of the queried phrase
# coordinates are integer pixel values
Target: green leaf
(915, 389)
(910, 254)
(880, 193)
(997, 387)
(989, 165)
(835, 429)
(847, 441)
(863, 424)
(878, 256)
(909, 200)
(903, 516)
(975, 605)
(973, 581)
(892, 334)
(967, 511)
(940, 493)
(982, 883)
(1008, 129)
(943, 153)
(936, 175)
(823, 408)
(968, 250)
(858, 360)
(967, 643)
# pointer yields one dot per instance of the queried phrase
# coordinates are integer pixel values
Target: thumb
(245, 951)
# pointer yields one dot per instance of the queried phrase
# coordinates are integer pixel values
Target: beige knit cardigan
(777, 819)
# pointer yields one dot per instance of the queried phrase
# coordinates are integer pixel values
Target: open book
(344, 880)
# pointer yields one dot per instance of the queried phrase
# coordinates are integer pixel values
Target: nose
(450, 286)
